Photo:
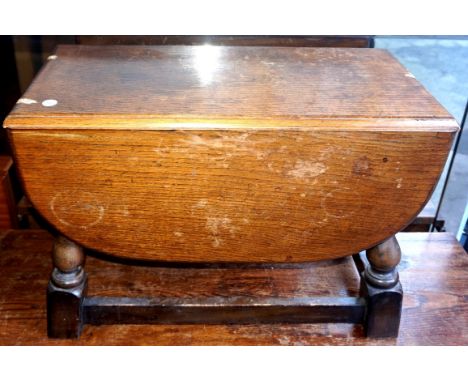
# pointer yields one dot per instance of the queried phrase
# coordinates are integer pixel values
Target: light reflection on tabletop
(206, 60)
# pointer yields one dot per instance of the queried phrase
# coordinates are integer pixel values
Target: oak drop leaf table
(205, 154)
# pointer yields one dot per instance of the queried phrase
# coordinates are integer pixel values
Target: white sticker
(49, 102)
(26, 101)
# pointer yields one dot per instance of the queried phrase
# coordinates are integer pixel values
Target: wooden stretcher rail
(223, 310)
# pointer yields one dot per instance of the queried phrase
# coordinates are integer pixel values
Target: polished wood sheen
(185, 86)
(228, 153)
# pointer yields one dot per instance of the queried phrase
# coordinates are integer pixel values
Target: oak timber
(234, 154)
(196, 85)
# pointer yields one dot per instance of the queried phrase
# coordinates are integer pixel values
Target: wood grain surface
(210, 153)
(259, 196)
(185, 86)
(433, 271)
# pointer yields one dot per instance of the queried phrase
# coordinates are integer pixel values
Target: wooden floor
(434, 274)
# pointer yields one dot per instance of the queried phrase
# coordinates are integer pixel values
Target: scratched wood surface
(228, 153)
(228, 196)
(434, 274)
(193, 85)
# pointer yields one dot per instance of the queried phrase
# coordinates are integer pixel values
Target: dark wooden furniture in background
(8, 214)
(227, 154)
(9, 85)
(292, 41)
(9, 94)
(434, 271)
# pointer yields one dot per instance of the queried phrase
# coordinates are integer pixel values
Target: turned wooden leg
(382, 288)
(66, 290)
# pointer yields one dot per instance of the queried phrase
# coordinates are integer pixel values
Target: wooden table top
(150, 87)
(433, 271)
